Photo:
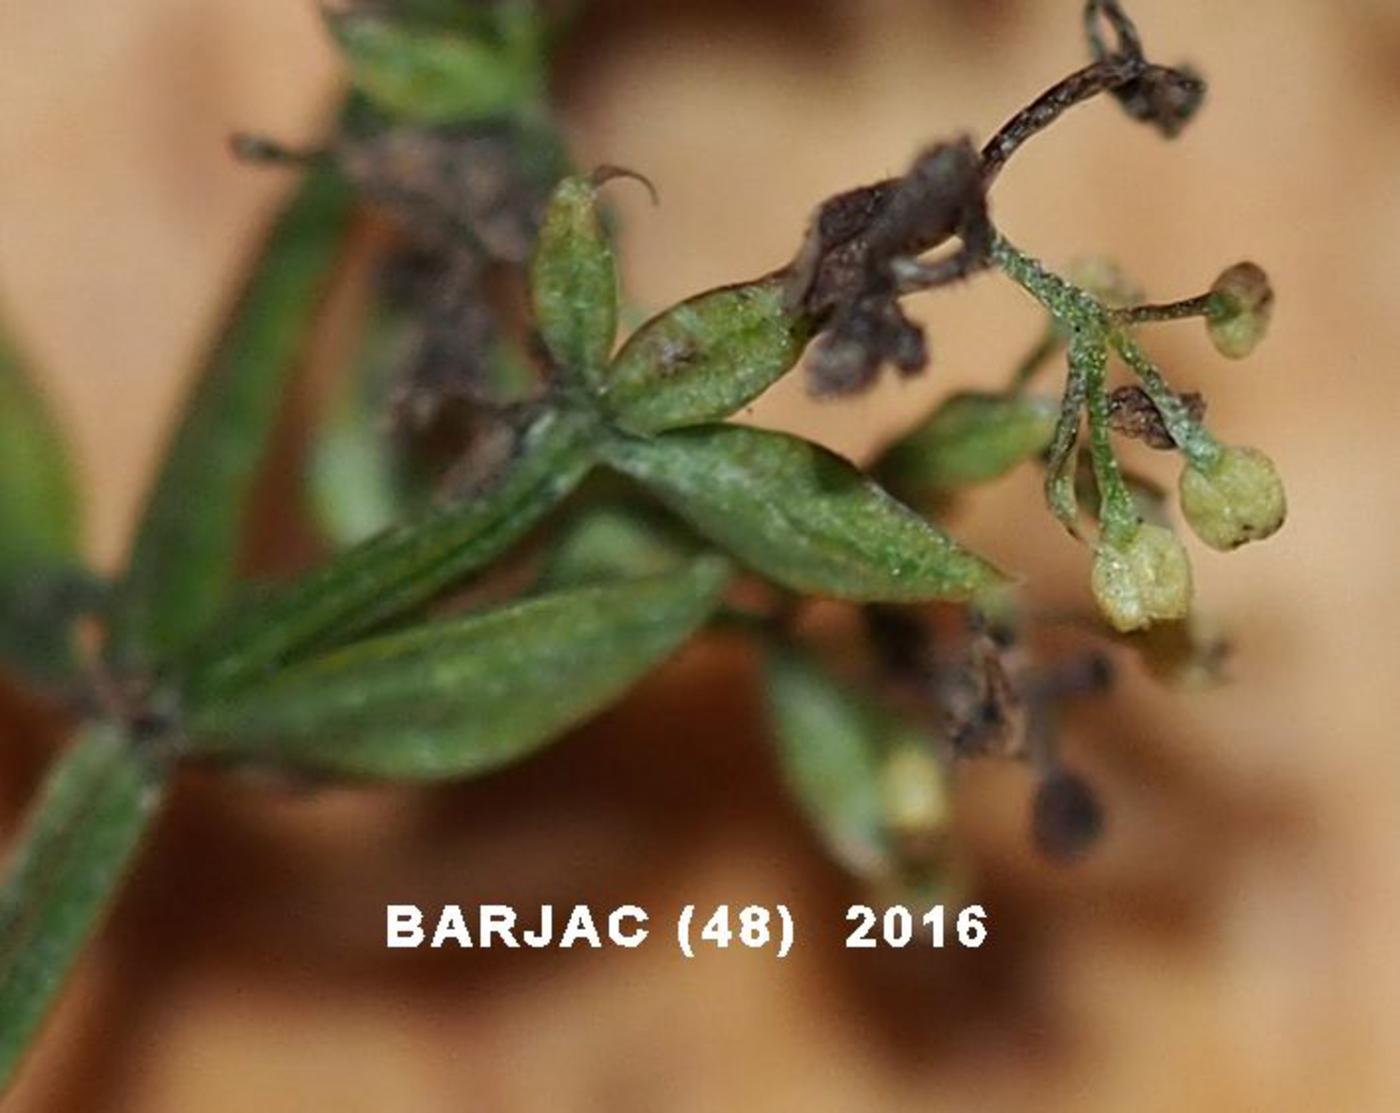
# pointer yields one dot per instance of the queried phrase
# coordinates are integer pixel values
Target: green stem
(1196, 444)
(76, 848)
(1090, 322)
(1086, 321)
(1076, 310)
(1059, 476)
(1118, 516)
(1203, 305)
(398, 570)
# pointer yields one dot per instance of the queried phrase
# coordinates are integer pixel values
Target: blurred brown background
(1230, 947)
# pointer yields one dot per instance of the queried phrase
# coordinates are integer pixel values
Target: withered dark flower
(1164, 96)
(463, 184)
(861, 251)
(848, 273)
(1131, 413)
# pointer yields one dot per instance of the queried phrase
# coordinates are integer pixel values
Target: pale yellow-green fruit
(1142, 581)
(915, 795)
(1238, 499)
(916, 805)
(1244, 306)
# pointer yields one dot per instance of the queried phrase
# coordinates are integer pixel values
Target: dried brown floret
(1131, 413)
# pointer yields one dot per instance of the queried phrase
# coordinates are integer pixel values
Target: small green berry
(1242, 303)
(1239, 498)
(1142, 581)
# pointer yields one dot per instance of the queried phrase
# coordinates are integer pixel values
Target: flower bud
(1242, 302)
(1240, 498)
(1146, 580)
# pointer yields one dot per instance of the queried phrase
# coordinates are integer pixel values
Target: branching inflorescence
(487, 392)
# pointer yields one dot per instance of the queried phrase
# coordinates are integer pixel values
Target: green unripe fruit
(1142, 581)
(1238, 499)
(1242, 303)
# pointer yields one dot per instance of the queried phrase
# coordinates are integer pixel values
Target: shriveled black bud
(940, 196)
(872, 332)
(1164, 97)
(1066, 817)
(848, 274)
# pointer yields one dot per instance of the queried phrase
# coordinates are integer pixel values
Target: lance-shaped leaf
(70, 858)
(800, 515)
(39, 527)
(871, 784)
(398, 569)
(971, 438)
(183, 559)
(573, 283)
(39, 515)
(451, 699)
(831, 751)
(432, 74)
(615, 542)
(705, 358)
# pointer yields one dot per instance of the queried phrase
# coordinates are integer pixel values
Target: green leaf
(39, 508)
(69, 860)
(831, 747)
(573, 283)
(971, 438)
(451, 699)
(705, 358)
(183, 559)
(614, 542)
(434, 75)
(39, 531)
(872, 784)
(398, 569)
(801, 515)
